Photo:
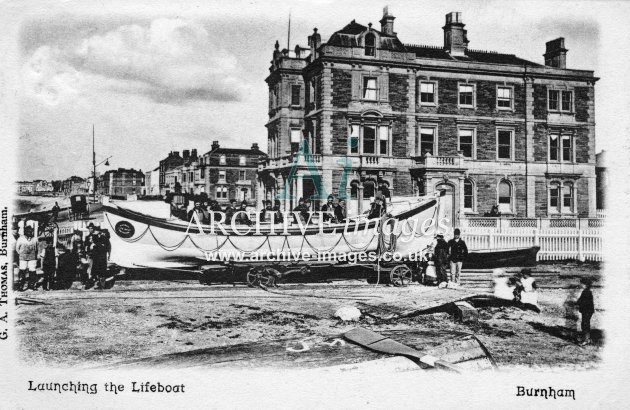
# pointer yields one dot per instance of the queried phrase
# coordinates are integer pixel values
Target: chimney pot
(255, 146)
(215, 145)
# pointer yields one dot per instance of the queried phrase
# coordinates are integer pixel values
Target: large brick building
(121, 182)
(489, 128)
(230, 173)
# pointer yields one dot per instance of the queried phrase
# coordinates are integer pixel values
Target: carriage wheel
(261, 276)
(401, 275)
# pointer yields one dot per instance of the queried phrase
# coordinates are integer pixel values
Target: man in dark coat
(440, 259)
(266, 209)
(302, 210)
(339, 214)
(377, 209)
(458, 251)
(327, 209)
(586, 307)
(99, 249)
(49, 264)
(66, 267)
(277, 209)
(230, 210)
(242, 217)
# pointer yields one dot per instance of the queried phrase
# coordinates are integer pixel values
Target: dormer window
(370, 45)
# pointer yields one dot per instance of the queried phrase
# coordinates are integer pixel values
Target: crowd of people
(85, 258)
(333, 211)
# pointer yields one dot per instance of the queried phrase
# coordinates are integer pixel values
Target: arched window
(370, 45)
(469, 195)
(354, 190)
(368, 188)
(505, 197)
(222, 160)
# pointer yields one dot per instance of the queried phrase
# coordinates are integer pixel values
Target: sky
(155, 77)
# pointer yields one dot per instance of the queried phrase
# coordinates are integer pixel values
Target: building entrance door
(447, 203)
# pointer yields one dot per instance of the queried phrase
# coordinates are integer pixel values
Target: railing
(600, 213)
(555, 244)
(430, 161)
(539, 223)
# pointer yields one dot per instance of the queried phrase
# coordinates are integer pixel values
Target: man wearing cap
(458, 251)
(26, 247)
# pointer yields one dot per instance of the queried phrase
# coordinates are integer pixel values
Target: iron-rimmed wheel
(401, 275)
(262, 276)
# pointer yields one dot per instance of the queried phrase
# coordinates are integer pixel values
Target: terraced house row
(490, 128)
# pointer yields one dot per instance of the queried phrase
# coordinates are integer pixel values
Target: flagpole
(289, 33)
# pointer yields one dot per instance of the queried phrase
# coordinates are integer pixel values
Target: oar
(379, 343)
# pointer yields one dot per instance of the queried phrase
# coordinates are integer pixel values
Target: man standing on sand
(586, 308)
(458, 251)
(440, 254)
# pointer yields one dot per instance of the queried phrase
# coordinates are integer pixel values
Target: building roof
(349, 37)
(235, 151)
(478, 56)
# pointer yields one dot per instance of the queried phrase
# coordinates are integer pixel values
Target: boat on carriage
(142, 239)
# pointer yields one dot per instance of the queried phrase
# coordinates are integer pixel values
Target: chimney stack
(455, 38)
(186, 153)
(215, 145)
(387, 22)
(555, 53)
(176, 153)
(255, 146)
(193, 153)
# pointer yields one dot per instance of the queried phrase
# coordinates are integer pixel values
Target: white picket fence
(555, 244)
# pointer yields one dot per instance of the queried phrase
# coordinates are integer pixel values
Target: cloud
(167, 60)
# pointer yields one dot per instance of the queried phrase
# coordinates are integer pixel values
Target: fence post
(536, 238)
(491, 240)
(580, 254)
